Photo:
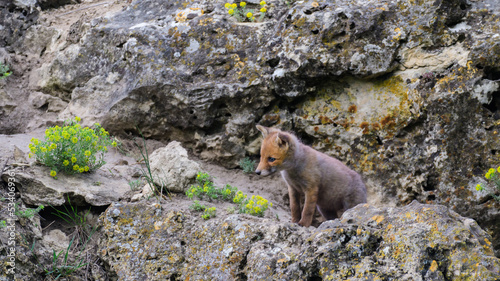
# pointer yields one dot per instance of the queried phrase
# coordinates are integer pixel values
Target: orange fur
(326, 183)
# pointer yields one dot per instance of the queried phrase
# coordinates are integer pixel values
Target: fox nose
(257, 172)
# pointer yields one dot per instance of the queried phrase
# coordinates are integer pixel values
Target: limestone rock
(15, 18)
(407, 243)
(171, 167)
(37, 187)
(7, 105)
(53, 104)
(57, 240)
(39, 39)
(405, 94)
(104, 186)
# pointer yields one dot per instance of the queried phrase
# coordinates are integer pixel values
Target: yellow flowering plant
(4, 71)
(207, 188)
(209, 213)
(243, 14)
(72, 149)
(255, 205)
(493, 175)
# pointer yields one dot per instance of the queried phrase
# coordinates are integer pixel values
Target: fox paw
(304, 223)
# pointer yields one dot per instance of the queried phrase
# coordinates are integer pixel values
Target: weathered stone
(172, 169)
(405, 93)
(37, 187)
(39, 39)
(57, 240)
(41, 100)
(142, 241)
(7, 105)
(25, 4)
(15, 18)
(104, 186)
(18, 231)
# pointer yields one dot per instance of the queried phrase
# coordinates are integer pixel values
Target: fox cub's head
(273, 150)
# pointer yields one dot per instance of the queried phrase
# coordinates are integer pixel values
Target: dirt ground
(271, 187)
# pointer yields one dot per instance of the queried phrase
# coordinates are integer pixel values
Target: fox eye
(271, 159)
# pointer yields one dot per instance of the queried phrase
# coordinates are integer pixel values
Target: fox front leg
(294, 204)
(309, 207)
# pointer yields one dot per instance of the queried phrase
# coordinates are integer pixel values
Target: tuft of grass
(71, 215)
(147, 174)
(76, 219)
(62, 268)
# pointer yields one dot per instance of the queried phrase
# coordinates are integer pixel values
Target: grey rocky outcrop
(415, 242)
(407, 93)
(404, 93)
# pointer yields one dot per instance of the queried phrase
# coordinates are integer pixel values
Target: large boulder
(172, 169)
(415, 242)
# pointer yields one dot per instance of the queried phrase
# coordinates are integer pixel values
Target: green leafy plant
(239, 197)
(3, 224)
(228, 192)
(4, 71)
(209, 213)
(135, 184)
(255, 205)
(247, 165)
(28, 212)
(196, 206)
(243, 14)
(493, 176)
(72, 149)
(207, 188)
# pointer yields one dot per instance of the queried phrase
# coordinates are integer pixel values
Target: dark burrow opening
(494, 105)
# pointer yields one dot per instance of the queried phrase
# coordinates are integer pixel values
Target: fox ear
(263, 130)
(282, 140)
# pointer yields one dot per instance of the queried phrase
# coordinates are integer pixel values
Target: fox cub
(325, 182)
